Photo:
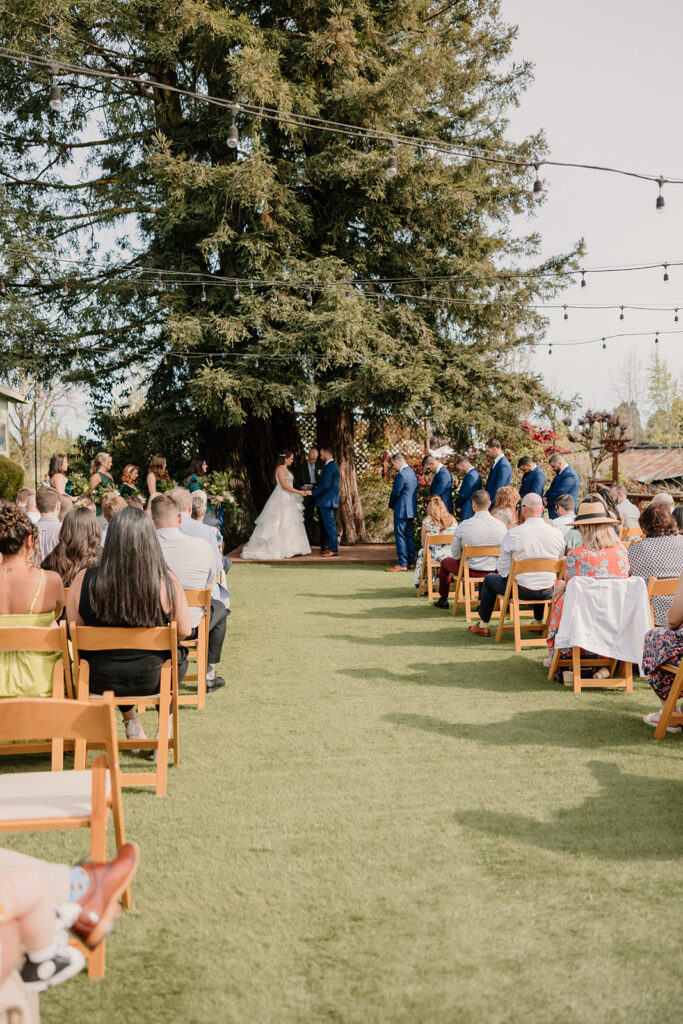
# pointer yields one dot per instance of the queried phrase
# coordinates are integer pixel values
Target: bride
(279, 529)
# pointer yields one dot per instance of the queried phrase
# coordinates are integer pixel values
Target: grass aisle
(383, 820)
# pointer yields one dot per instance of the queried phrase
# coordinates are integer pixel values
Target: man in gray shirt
(630, 513)
(47, 503)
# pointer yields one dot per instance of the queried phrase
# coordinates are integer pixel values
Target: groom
(326, 497)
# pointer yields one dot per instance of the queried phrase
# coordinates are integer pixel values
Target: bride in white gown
(279, 530)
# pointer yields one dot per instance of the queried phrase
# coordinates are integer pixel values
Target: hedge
(11, 478)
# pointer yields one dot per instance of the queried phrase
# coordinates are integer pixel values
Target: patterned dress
(439, 552)
(582, 561)
(661, 646)
(661, 557)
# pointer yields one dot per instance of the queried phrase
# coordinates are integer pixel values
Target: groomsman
(403, 501)
(566, 482)
(501, 470)
(533, 477)
(471, 482)
(442, 481)
(326, 497)
(308, 475)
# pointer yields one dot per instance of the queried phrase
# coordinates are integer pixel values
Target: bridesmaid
(198, 467)
(57, 475)
(156, 474)
(99, 474)
(128, 478)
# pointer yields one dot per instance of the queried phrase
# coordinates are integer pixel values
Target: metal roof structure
(650, 464)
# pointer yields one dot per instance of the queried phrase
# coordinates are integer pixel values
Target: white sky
(607, 91)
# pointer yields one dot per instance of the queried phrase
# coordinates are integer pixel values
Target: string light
(3, 286)
(656, 337)
(566, 314)
(309, 297)
(538, 184)
(604, 344)
(233, 131)
(378, 306)
(424, 290)
(78, 273)
(160, 284)
(621, 315)
(659, 205)
(392, 163)
(203, 295)
(583, 278)
(666, 271)
(550, 350)
(56, 101)
(676, 316)
(237, 291)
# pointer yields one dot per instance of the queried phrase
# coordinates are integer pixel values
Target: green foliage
(374, 493)
(11, 478)
(665, 391)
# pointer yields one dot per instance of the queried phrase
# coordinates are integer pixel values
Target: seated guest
(659, 553)
(630, 513)
(200, 501)
(26, 501)
(564, 506)
(534, 538)
(191, 560)
(197, 468)
(482, 530)
(566, 482)
(437, 520)
(664, 646)
(471, 482)
(65, 506)
(85, 501)
(78, 546)
(665, 499)
(111, 504)
(506, 505)
(441, 485)
(29, 596)
(600, 554)
(49, 524)
(607, 498)
(128, 481)
(678, 516)
(572, 537)
(134, 501)
(132, 586)
(192, 527)
(533, 477)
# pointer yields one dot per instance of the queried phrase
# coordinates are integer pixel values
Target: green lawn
(384, 819)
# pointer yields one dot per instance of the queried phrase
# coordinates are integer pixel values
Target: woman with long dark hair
(197, 468)
(57, 475)
(157, 473)
(132, 586)
(78, 547)
(279, 530)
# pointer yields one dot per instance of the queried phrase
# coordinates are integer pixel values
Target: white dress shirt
(480, 530)
(311, 472)
(191, 559)
(194, 528)
(533, 539)
(563, 523)
(497, 459)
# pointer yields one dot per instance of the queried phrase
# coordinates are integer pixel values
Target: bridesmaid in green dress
(99, 474)
(57, 475)
(128, 478)
(157, 473)
(197, 468)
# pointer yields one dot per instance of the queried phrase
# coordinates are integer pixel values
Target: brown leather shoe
(329, 554)
(100, 906)
(478, 631)
(396, 568)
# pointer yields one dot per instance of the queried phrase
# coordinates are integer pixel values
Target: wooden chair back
(670, 716)
(628, 534)
(517, 606)
(660, 588)
(429, 563)
(198, 649)
(154, 638)
(467, 586)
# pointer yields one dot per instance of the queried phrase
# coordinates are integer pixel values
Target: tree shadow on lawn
(395, 611)
(632, 817)
(509, 675)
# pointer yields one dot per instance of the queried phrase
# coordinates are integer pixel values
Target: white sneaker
(134, 731)
(653, 720)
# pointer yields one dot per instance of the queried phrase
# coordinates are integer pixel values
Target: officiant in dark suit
(305, 475)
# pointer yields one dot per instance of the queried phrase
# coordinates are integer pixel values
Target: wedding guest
(65, 506)
(192, 527)
(564, 507)
(500, 474)
(403, 501)
(534, 538)
(441, 484)
(306, 477)
(57, 474)
(471, 482)
(78, 546)
(197, 468)
(128, 478)
(607, 498)
(665, 500)
(437, 520)
(533, 477)
(481, 530)
(664, 646)
(326, 498)
(200, 501)
(506, 506)
(49, 524)
(85, 501)
(191, 560)
(26, 501)
(29, 596)
(157, 473)
(659, 553)
(132, 586)
(111, 504)
(678, 516)
(566, 482)
(630, 513)
(134, 501)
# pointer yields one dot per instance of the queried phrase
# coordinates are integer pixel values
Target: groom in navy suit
(326, 497)
(501, 470)
(403, 501)
(442, 481)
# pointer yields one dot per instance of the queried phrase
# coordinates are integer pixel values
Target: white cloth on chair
(608, 617)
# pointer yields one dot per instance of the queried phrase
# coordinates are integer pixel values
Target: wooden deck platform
(358, 554)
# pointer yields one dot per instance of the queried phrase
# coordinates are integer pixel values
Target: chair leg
(98, 846)
(668, 709)
(501, 622)
(162, 744)
(576, 668)
(516, 621)
(553, 663)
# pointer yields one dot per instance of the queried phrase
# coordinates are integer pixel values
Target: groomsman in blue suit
(533, 477)
(442, 481)
(403, 501)
(501, 470)
(566, 482)
(471, 482)
(326, 497)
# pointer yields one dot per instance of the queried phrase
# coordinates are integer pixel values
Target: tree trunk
(335, 427)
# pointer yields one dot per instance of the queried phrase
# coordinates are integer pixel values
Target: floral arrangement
(163, 486)
(218, 486)
(79, 485)
(100, 491)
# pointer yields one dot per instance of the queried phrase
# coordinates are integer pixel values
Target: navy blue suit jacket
(566, 482)
(471, 482)
(403, 498)
(532, 482)
(500, 476)
(442, 487)
(326, 494)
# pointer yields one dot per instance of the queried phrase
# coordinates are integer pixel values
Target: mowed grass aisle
(383, 819)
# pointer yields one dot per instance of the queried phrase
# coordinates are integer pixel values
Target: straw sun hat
(592, 513)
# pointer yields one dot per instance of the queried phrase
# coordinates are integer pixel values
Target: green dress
(69, 487)
(127, 490)
(107, 481)
(194, 483)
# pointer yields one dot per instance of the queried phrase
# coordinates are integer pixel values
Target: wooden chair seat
(629, 534)
(466, 587)
(518, 606)
(620, 672)
(54, 795)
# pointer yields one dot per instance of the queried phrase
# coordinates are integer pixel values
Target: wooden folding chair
(669, 714)
(660, 588)
(46, 640)
(467, 587)
(82, 798)
(516, 606)
(620, 672)
(629, 534)
(430, 565)
(156, 638)
(198, 650)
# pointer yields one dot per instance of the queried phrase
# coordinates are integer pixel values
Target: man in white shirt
(564, 507)
(533, 539)
(630, 513)
(192, 560)
(192, 527)
(481, 530)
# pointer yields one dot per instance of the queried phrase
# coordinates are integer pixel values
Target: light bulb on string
(424, 291)
(56, 101)
(309, 297)
(203, 295)
(566, 314)
(165, 360)
(604, 345)
(237, 291)
(135, 290)
(348, 293)
(391, 169)
(666, 272)
(550, 350)
(538, 184)
(65, 287)
(621, 315)
(78, 273)
(233, 131)
(378, 306)
(676, 316)
(659, 205)
(160, 283)
(656, 337)
(583, 278)
(3, 286)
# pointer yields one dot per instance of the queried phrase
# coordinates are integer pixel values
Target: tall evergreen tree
(133, 176)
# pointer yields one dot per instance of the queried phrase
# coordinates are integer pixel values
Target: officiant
(308, 475)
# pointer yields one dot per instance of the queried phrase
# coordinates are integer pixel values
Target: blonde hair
(438, 513)
(98, 461)
(595, 537)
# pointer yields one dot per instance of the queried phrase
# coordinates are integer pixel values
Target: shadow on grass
(630, 818)
(505, 675)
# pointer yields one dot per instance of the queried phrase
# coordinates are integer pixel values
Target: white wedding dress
(279, 530)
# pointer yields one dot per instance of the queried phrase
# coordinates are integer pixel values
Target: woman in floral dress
(664, 645)
(437, 520)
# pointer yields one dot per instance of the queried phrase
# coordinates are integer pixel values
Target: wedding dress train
(279, 530)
